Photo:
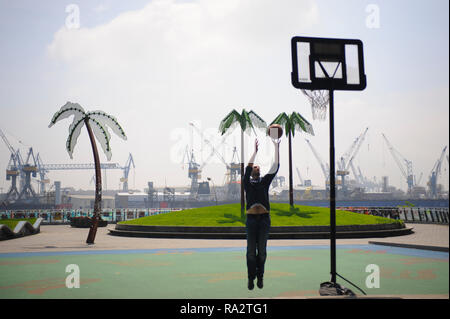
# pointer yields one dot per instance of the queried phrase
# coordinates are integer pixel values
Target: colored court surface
(291, 272)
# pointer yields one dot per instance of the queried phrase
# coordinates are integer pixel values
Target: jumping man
(258, 215)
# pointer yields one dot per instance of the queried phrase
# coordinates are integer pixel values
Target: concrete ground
(66, 238)
(128, 267)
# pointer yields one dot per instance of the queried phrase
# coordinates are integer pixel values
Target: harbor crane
(434, 175)
(13, 170)
(194, 173)
(45, 168)
(325, 167)
(345, 161)
(42, 174)
(16, 167)
(30, 170)
(406, 169)
(300, 177)
(233, 169)
(126, 171)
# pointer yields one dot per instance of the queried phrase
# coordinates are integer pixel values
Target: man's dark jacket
(257, 190)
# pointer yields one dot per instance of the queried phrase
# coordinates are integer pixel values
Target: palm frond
(256, 120)
(102, 135)
(281, 119)
(109, 120)
(229, 121)
(299, 123)
(246, 122)
(67, 110)
(74, 132)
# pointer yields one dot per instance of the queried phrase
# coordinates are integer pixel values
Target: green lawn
(281, 215)
(11, 223)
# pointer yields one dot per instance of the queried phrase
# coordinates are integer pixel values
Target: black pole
(332, 192)
(291, 184)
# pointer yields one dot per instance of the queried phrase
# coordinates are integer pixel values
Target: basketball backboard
(327, 64)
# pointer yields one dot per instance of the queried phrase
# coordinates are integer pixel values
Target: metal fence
(433, 215)
(64, 216)
(428, 215)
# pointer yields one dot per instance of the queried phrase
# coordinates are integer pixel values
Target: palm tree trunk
(242, 176)
(291, 187)
(98, 186)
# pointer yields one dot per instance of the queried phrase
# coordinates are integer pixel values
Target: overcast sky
(159, 65)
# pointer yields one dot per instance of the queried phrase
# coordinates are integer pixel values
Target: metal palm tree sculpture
(290, 124)
(96, 124)
(246, 120)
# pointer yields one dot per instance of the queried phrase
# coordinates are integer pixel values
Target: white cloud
(101, 8)
(158, 68)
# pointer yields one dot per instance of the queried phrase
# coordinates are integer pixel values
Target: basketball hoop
(321, 66)
(319, 101)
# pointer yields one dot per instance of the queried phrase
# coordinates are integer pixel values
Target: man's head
(255, 171)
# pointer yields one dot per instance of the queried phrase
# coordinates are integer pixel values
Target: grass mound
(281, 215)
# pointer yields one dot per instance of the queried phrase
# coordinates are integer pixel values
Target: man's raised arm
(276, 164)
(252, 158)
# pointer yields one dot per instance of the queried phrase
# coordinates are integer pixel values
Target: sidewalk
(66, 238)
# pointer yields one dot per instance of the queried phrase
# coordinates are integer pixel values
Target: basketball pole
(332, 191)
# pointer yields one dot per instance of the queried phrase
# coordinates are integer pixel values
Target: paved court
(118, 267)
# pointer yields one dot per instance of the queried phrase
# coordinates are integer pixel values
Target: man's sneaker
(259, 283)
(251, 285)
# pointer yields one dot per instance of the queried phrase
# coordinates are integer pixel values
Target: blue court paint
(389, 249)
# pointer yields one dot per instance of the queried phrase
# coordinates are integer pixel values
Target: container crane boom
(360, 140)
(434, 175)
(214, 151)
(126, 171)
(408, 173)
(325, 169)
(300, 177)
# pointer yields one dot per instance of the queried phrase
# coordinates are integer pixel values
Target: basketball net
(319, 101)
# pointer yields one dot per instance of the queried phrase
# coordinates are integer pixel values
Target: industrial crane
(406, 169)
(126, 171)
(13, 170)
(42, 174)
(45, 168)
(345, 161)
(300, 177)
(434, 175)
(30, 170)
(233, 168)
(194, 173)
(325, 169)
(358, 178)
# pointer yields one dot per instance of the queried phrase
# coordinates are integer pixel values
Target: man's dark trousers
(258, 226)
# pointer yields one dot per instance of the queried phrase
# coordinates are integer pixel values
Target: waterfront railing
(428, 215)
(58, 216)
